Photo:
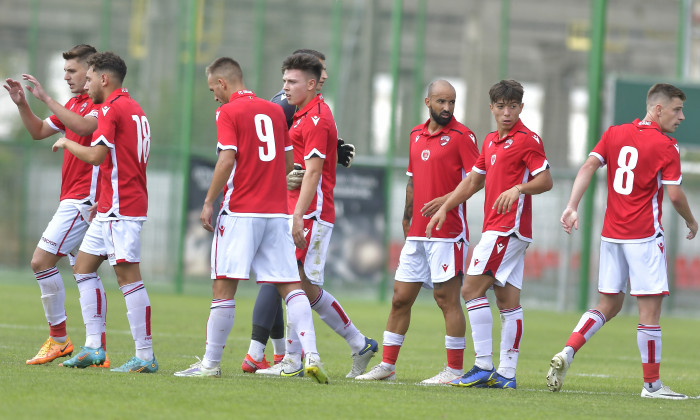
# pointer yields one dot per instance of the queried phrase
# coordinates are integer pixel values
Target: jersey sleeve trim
(409, 173)
(288, 148)
(102, 140)
(314, 152)
(672, 182)
(479, 171)
(53, 126)
(544, 167)
(600, 158)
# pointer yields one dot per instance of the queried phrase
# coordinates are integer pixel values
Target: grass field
(604, 381)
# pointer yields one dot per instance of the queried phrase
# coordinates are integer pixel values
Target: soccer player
(512, 167)
(315, 138)
(268, 317)
(120, 146)
(641, 160)
(77, 119)
(442, 151)
(252, 229)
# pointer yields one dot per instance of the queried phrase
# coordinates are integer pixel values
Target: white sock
(93, 306)
(256, 350)
(278, 345)
(330, 311)
(511, 334)
(138, 311)
(221, 317)
(481, 322)
(299, 319)
(53, 295)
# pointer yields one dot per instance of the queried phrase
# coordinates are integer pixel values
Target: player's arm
(465, 189)
(680, 203)
(222, 171)
(37, 128)
(314, 168)
(542, 182)
(289, 161)
(408, 207)
(82, 126)
(569, 217)
(94, 155)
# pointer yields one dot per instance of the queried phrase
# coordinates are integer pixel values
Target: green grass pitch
(604, 381)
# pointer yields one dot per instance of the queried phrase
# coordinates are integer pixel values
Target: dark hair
(226, 66)
(315, 53)
(80, 52)
(664, 90)
(506, 90)
(108, 62)
(307, 63)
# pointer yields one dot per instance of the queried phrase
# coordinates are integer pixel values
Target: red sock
(390, 354)
(58, 330)
(651, 372)
(455, 359)
(576, 341)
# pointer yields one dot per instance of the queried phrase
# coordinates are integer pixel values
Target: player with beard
(442, 152)
(512, 167)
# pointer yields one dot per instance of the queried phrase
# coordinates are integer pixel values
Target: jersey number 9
(263, 128)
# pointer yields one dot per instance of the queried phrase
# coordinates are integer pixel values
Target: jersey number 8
(624, 177)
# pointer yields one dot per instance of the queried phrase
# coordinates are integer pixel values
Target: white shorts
(313, 257)
(66, 229)
(261, 244)
(643, 263)
(431, 262)
(501, 257)
(117, 240)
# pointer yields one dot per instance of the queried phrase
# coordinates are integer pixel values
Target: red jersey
(124, 129)
(640, 159)
(514, 159)
(314, 133)
(78, 179)
(257, 130)
(438, 162)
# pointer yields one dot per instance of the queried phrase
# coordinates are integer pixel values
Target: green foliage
(604, 382)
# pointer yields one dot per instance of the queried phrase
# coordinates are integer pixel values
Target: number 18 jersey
(256, 130)
(640, 160)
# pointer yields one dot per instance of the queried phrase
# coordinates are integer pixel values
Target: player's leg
(277, 331)
(447, 262)
(612, 285)
(412, 273)
(63, 233)
(265, 314)
(512, 328)
(313, 261)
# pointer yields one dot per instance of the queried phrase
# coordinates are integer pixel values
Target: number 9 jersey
(640, 160)
(256, 130)
(123, 127)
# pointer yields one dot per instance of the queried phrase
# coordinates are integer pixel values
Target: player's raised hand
(14, 88)
(60, 144)
(346, 153)
(37, 90)
(298, 232)
(505, 201)
(205, 217)
(436, 221)
(569, 219)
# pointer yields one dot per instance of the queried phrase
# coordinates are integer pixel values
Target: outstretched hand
(37, 90)
(569, 219)
(693, 229)
(14, 88)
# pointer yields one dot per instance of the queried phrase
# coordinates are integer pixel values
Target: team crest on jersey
(315, 119)
(537, 139)
(82, 108)
(104, 110)
(444, 140)
(425, 154)
(493, 159)
(509, 143)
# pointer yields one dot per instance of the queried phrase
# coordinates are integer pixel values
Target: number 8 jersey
(640, 160)
(256, 130)
(123, 127)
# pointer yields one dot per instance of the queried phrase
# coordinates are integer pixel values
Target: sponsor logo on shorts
(499, 248)
(50, 242)
(221, 230)
(302, 333)
(444, 267)
(661, 247)
(476, 261)
(110, 255)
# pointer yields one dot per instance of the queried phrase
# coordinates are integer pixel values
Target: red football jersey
(438, 162)
(511, 160)
(123, 127)
(314, 133)
(78, 179)
(257, 130)
(640, 159)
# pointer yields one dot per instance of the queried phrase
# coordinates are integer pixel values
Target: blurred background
(584, 65)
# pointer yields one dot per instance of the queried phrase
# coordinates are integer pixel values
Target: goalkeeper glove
(346, 153)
